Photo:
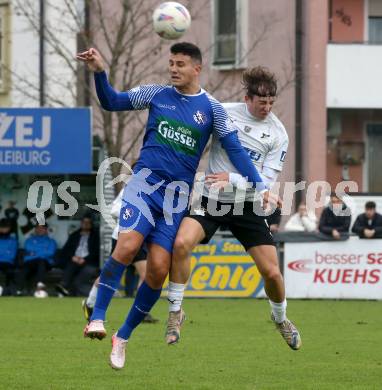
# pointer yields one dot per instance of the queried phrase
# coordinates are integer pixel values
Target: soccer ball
(171, 20)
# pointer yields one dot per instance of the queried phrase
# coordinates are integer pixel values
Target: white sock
(175, 296)
(90, 301)
(279, 310)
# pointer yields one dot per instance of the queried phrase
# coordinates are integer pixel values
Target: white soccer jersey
(266, 142)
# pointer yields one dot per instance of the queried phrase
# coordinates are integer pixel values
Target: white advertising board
(349, 269)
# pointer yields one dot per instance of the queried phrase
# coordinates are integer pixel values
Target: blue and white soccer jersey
(177, 131)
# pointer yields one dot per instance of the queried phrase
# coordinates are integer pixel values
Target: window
(375, 21)
(225, 32)
(374, 145)
(375, 29)
(229, 31)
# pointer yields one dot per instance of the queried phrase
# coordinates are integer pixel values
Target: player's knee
(272, 274)
(155, 278)
(182, 247)
(125, 251)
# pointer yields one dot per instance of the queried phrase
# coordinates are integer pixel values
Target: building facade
(325, 53)
(354, 104)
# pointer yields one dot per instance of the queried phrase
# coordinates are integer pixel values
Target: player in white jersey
(266, 142)
(265, 139)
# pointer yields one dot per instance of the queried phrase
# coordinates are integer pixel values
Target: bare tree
(122, 32)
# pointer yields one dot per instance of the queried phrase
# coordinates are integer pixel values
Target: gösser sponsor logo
(341, 275)
(167, 131)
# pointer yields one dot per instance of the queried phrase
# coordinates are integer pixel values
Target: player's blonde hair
(259, 81)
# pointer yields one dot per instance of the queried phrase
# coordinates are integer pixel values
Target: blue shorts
(156, 214)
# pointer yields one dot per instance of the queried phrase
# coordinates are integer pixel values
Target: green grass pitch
(226, 344)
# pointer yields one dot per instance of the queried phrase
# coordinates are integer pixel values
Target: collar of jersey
(184, 94)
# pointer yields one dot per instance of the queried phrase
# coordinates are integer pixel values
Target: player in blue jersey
(182, 117)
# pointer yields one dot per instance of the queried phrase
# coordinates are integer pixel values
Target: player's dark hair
(259, 81)
(370, 205)
(188, 49)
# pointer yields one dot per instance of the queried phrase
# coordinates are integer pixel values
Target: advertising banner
(45, 140)
(347, 269)
(223, 269)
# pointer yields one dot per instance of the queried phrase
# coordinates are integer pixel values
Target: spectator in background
(80, 255)
(302, 221)
(8, 253)
(332, 225)
(368, 224)
(38, 259)
(12, 215)
(274, 220)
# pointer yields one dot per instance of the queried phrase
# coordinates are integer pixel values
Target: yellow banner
(222, 269)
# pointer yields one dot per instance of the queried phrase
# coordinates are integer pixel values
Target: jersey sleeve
(268, 176)
(222, 124)
(276, 156)
(241, 160)
(137, 98)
